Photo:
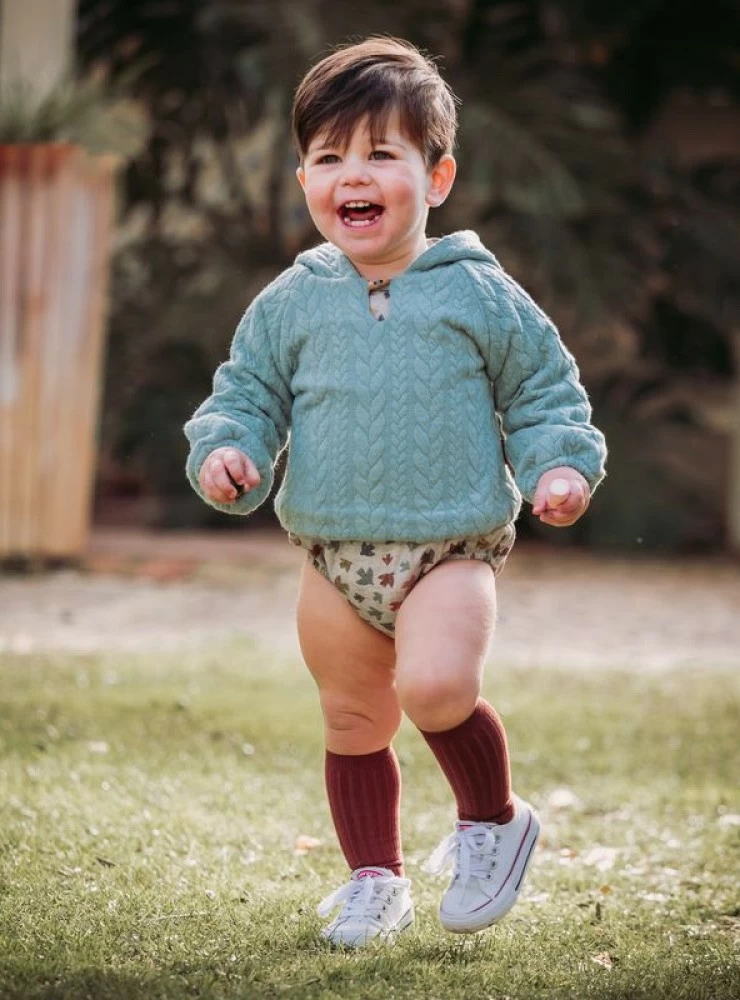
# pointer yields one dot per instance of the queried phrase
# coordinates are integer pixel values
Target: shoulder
(504, 294)
(323, 261)
(268, 309)
(278, 291)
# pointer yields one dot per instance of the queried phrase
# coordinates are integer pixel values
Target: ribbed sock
(364, 798)
(475, 759)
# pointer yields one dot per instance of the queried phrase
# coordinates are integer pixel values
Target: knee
(354, 728)
(435, 702)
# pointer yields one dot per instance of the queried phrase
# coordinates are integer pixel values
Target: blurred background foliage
(599, 158)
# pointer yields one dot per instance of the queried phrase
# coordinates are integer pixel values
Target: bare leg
(353, 666)
(443, 634)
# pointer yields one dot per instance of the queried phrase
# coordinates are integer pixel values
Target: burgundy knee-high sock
(364, 798)
(475, 759)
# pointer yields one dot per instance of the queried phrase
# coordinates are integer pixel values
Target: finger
(213, 490)
(241, 469)
(559, 515)
(222, 486)
(560, 518)
(547, 507)
(252, 476)
(223, 481)
(239, 488)
(558, 493)
(235, 474)
(575, 501)
(539, 503)
(557, 520)
(233, 461)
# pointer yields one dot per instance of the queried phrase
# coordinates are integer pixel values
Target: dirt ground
(145, 591)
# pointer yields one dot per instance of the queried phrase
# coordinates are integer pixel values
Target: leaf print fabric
(376, 577)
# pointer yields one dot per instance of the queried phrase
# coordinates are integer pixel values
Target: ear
(301, 175)
(441, 179)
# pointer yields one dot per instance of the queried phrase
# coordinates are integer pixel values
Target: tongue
(355, 214)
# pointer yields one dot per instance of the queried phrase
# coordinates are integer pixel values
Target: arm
(248, 410)
(545, 412)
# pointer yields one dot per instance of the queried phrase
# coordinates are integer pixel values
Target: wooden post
(36, 43)
(56, 216)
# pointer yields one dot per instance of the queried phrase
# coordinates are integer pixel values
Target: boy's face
(372, 201)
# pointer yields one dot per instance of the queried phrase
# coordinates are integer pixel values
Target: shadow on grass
(304, 967)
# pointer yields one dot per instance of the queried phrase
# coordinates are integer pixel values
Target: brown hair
(370, 79)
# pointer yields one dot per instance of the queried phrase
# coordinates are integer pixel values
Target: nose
(354, 171)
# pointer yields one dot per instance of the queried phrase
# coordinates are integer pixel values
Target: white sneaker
(490, 861)
(377, 905)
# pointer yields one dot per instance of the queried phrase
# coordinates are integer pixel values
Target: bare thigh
(353, 665)
(443, 635)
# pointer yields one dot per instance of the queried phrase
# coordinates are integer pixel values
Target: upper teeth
(357, 204)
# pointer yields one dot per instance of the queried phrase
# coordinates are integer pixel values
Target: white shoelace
(473, 850)
(362, 897)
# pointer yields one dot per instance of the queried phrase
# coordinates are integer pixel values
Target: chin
(361, 247)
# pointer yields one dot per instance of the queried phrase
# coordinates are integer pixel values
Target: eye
(381, 154)
(328, 158)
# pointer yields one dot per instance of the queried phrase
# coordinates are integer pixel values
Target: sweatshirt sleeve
(249, 408)
(544, 410)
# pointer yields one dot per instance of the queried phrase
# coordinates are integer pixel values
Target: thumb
(539, 503)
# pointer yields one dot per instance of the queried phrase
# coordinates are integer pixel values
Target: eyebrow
(380, 141)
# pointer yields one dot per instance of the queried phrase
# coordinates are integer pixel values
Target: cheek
(318, 198)
(409, 190)
(321, 209)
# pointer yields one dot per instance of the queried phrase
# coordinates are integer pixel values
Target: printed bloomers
(376, 577)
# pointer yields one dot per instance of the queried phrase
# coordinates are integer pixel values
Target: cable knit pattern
(432, 424)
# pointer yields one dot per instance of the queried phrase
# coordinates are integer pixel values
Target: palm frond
(85, 112)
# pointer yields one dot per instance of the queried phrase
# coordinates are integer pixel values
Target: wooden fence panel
(56, 214)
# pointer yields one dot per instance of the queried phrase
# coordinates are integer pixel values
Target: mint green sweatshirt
(430, 425)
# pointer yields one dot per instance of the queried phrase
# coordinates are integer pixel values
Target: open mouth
(360, 214)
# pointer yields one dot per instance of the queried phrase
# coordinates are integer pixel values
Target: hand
(561, 510)
(227, 474)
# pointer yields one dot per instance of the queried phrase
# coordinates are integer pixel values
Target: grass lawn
(152, 806)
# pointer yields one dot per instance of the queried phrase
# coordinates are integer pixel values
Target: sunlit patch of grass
(151, 808)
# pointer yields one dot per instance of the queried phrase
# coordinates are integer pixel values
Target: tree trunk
(36, 43)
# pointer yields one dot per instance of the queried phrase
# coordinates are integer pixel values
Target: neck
(393, 266)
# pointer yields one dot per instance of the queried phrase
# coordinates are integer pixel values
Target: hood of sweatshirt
(327, 261)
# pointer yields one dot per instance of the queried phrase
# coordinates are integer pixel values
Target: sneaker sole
(386, 937)
(487, 915)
